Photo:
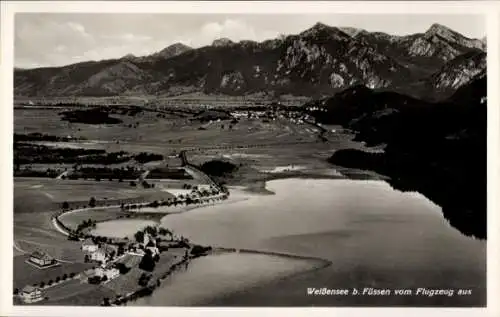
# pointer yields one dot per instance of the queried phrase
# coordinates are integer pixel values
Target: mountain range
(319, 61)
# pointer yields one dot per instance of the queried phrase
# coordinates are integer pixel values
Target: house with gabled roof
(41, 258)
(31, 294)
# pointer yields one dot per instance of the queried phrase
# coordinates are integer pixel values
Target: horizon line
(483, 38)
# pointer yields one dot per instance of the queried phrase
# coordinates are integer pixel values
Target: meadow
(26, 274)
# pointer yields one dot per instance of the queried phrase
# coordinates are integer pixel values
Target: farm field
(161, 135)
(128, 282)
(51, 193)
(83, 295)
(121, 228)
(73, 218)
(124, 284)
(25, 274)
(68, 289)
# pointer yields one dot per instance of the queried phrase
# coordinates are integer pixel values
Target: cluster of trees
(29, 172)
(148, 261)
(58, 279)
(171, 173)
(85, 225)
(120, 174)
(198, 250)
(36, 136)
(144, 279)
(122, 268)
(218, 168)
(97, 279)
(89, 116)
(26, 153)
(145, 157)
(152, 231)
(145, 184)
(125, 110)
(177, 201)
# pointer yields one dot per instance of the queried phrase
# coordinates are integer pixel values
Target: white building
(99, 256)
(31, 294)
(203, 187)
(110, 273)
(41, 258)
(89, 246)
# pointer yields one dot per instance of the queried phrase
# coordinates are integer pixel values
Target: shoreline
(255, 190)
(315, 262)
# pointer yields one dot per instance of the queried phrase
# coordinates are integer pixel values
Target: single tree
(139, 236)
(147, 263)
(92, 202)
(65, 205)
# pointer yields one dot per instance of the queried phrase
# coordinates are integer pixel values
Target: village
(125, 267)
(113, 263)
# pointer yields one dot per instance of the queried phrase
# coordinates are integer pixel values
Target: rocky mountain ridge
(316, 62)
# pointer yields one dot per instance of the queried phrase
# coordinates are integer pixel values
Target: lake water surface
(373, 235)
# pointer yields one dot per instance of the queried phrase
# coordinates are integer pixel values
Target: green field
(80, 295)
(25, 274)
(72, 219)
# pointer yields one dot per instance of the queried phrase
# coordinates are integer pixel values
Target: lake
(374, 236)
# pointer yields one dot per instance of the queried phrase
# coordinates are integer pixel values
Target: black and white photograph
(249, 160)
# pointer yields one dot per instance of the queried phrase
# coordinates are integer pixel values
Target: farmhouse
(99, 256)
(110, 273)
(104, 253)
(89, 245)
(41, 258)
(203, 187)
(31, 294)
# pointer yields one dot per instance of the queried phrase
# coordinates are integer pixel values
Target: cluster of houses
(272, 115)
(107, 255)
(97, 253)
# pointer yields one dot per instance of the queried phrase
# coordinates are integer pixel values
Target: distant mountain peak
(223, 41)
(452, 36)
(436, 27)
(443, 31)
(321, 28)
(129, 56)
(352, 32)
(173, 50)
(320, 25)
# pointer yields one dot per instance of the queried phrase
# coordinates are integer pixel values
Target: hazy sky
(55, 39)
